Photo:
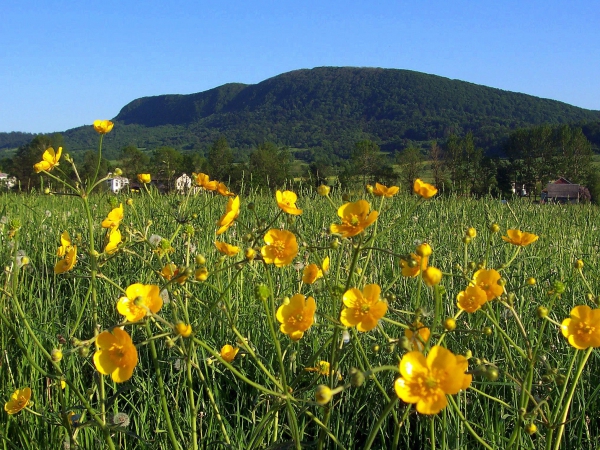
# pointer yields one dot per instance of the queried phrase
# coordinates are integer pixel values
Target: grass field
(184, 393)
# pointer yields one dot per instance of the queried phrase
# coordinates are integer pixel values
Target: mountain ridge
(330, 108)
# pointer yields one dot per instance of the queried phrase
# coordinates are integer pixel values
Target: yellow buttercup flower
(18, 400)
(311, 274)
(383, 191)
(471, 299)
(67, 263)
(138, 300)
(322, 367)
(286, 201)
(223, 190)
(281, 247)
(488, 281)
(363, 309)
(355, 218)
(226, 249)
(144, 178)
(116, 355)
(49, 160)
(423, 189)
(418, 336)
(203, 181)
(65, 244)
(114, 239)
(232, 211)
(183, 329)
(582, 329)
(426, 380)
(103, 126)
(170, 271)
(201, 274)
(412, 269)
(520, 238)
(297, 316)
(228, 353)
(114, 218)
(432, 276)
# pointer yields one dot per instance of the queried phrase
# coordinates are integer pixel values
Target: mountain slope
(330, 108)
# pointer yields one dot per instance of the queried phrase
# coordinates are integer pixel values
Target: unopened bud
(56, 355)
(323, 394)
(357, 377)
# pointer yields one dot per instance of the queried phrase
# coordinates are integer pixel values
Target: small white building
(116, 184)
(7, 181)
(183, 184)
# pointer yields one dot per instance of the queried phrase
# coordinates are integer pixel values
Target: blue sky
(65, 63)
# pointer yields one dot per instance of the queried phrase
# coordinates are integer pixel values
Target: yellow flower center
(364, 309)
(354, 220)
(585, 330)
(117, 353)
(431, 383)
(279, 247)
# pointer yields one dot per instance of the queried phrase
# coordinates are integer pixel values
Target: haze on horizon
(62, 66)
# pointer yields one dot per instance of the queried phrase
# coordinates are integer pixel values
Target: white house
(7, 181)
(183, 184)
(116, 184)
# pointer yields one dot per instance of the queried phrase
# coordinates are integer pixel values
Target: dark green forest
(349, 123)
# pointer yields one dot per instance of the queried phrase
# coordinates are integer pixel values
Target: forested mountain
(328, 109)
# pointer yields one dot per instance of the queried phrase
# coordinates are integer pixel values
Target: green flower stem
(251, 352)
(270, 312)
(506, 336)
(510, 261)
(375, 429)
(99, 419)
(213, 404)
(585, 281)
(190, 387)
(491, 397)
(161, 389)
(368, 243)
(562, 418)
(237, 373)
(465, 422)
(335, 347)
(322, 426)
(98, 166)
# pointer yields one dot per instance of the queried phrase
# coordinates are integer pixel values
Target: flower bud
(542, 312)
(183, 329)
(83, 351)
(47, 191)
(335, 243)
(432, 276)
(466, 240)
(494, 228)
(250, 254)
(323, 394)
(357, 377)
(118, 172)
(369, 189)
(56, 355)
(578, 264)
(471, 232)
(324, 190)
(250, 206)
(129, 202)
(450, 324)
(531, 281)
(346, 197)
(423, 250)
(200, 260)
(531, 428)
(262, 292)
(492, 374)
(559, 287)
(487, 331)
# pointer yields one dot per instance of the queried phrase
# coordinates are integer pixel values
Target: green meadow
(530, 388)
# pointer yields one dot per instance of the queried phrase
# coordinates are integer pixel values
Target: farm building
(564, 191)
(116, 184)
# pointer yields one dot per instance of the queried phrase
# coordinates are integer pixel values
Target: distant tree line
(533, 157)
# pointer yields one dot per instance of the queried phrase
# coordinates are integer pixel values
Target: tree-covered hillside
(328, 109)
